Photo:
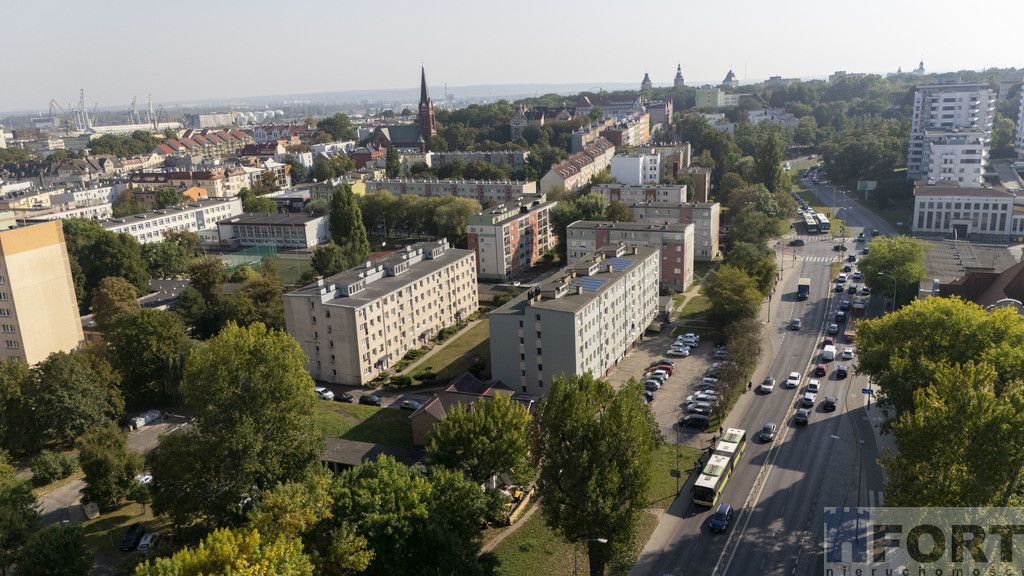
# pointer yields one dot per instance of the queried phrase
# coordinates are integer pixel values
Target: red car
(830, 341)
(664, 367)
(820, 370)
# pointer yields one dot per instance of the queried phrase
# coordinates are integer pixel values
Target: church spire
(678, 80)
(424, 93)
(425, 117)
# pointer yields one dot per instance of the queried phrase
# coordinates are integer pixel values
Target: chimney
(579, 289)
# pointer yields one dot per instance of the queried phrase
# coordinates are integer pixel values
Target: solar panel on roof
(590, 284)
(620, 264)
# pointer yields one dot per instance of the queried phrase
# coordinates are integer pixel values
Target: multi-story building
(949, 210)
(675, 241)
(1020, 127)
(511, 237)
(705, 216)
(575, 172)
(621, 107)
(325, 190)
(355, 324)
(773, 115)
(671, 159)
(715, 97)
(945, 107)
(483, 191)
(586, 135)
(636, 169)
(701, 182)
(200, 217)
(38, 308)
(287, 230)
(537, 115)
(629, 131)
(633, 194)
(660, 113)
(585, 319)
(218, 183)
(959, 155)
(511, 158)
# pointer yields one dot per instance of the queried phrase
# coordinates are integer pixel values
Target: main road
(780, 488)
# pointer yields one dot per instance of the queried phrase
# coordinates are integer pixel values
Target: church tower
(646, 84)
(678, 80)
(425, 118)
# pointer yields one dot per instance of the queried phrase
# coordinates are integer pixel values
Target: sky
(191, 50)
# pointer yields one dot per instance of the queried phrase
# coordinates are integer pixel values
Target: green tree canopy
(252, 203)
(394, 163)
(902, 258)
(451, 217)
(110, 467)
(346, 224)
(238, 552)
(56, 550)
(112, 298)
(338, 126)
(168, 197)
(752, 226)
(207, 276)
(18, 426)
(18, 517)
(490, 439)
(618, 212)
(733, 294)
(149, 349)
(595, 446)
(328, 259)
(70, 397)
(757, 260)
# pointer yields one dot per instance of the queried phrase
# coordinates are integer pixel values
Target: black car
(851, 258)
(698, 421)
(840, 316)
(842, 371)
(830, 404)
(847, 268)
(797, 242)
(344, 397)
(875, 232)
(802, 416)
(648, 396)
(132, 537)
(411, 405)
(370, 400)
(721, 518)
(844, 305)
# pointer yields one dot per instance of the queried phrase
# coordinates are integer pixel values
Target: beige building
(675, 241)
(705, 217)
(355, 324)
(38, 309)
(585, 319)
(575, 172)
(510, 238)
(483, 191)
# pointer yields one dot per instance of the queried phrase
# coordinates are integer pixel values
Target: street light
(575, 548)
(893, 288)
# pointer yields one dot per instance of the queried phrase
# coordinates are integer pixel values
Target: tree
(297, 170)
(253, 204)
(18, 426)
(618, 212)
(110, 467)
(733, 294)
(1003, 131)
(901, 258)
(769, 162)
(149, 349)
(241, 552)
(393, 166)
(184, 238)
(112, 298)
(18, 517)
(328, 259)
(268, 182)
(168, 197)
(338, 126)
(318, 206)
(333, 167)
(259, 300)
(752, 226)
(208, 276)
(757, 260)
(127, 205)
(166, 259)
(451, 217)
(56, 550)
(595, 447)
(490, 439)
(70, 397)
(112, 254)
(255, 426)
(346, 224)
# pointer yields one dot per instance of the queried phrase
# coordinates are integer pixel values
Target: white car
(847, 353)
(768, 384)
(813, 386)
(690, 336)
(147, 541)
(841, 279)
(794, 380)
(678, 352)
(323, 393)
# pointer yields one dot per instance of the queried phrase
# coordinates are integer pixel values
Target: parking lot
(670, 400)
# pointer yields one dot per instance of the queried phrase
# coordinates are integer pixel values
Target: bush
(48, 467)
(447, 332)
(400, 381)
(425, 376)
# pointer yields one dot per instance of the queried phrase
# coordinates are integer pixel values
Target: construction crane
(64, 120)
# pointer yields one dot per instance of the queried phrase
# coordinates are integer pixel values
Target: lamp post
(575, 548)
(893, 288)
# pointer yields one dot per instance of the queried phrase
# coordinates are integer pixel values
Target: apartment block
(636, 169)
(38, 308)
(510, 238)
(585, 319)
(576, 171)
(1019, 145)
(511, 158)
(200, 217)
(705, 217)
(675, 241)
(631, 131)
(355, 324)
(218, 183)
(287, 230)
(482, 191)
(715, 97)
(945, 107)
(958, 155)
(631, 194)
(949, 210)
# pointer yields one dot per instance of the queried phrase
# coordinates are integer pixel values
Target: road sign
(868, 391)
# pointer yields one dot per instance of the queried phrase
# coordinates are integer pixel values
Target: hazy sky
(189, 50)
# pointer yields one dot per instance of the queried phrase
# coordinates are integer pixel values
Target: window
(12, 345)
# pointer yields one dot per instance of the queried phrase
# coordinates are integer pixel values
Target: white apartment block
(585, 319)
(949, 210)
(958, 155)
(510, 238)
(675, 241)
(705, 217)
(287, 230)
(630, 194)
(1019, 145)
(636, 169)
(355, 324)
(512, 158)
(63, 212)
(200, 217)
(480, 190)
(945, 107)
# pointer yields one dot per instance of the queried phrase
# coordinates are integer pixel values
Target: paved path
(511, 529)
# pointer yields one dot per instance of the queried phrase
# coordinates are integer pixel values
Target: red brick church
(410, 135)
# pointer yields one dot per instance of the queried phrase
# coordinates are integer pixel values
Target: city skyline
(214, 51)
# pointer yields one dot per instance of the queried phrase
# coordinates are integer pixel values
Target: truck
(803, 289)
(857, 311)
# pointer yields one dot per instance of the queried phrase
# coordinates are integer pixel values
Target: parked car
(721, 354)
(323, 393)
(768, 431)
(678, 352)
(663, 361)
(699, 421)
(648, 396)
(691, 336)
(132, 537)
(767, 385)
(344, 397)
(803, 415)
(147, 541)
(699, 408)
(663, 368)
(721, 518)
(411, 405)
(652, 385)
(689, 343)
(370, 400)
(829, 404)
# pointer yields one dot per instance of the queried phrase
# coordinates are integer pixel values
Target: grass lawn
(701, 267)
(290, 269)
(365, 423)
(663, 485)
(696, 307)
(104, 533)
(458, 354)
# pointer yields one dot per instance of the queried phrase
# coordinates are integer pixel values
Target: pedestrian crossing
(821, 258)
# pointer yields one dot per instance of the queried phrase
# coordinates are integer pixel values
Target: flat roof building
(510, 238)
(947, 210)
(200, 217)
(288, 230)
(705, 216)
(674, 241)
(480, 190)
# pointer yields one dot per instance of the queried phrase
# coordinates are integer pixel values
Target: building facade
(499, 191)
(634, 194)
(585, 319)
(575, 172)
(511, 158)
(636, 169)
(218, 183)
(674, 241)
(1019, 145)
(715, 97)
(946, 209)
(288, 230)
(958, 155)
(200, 217)
(38, 307)
(705, 217)
(631, 131)
(355, 324)
(510, 238)
(946, 107)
